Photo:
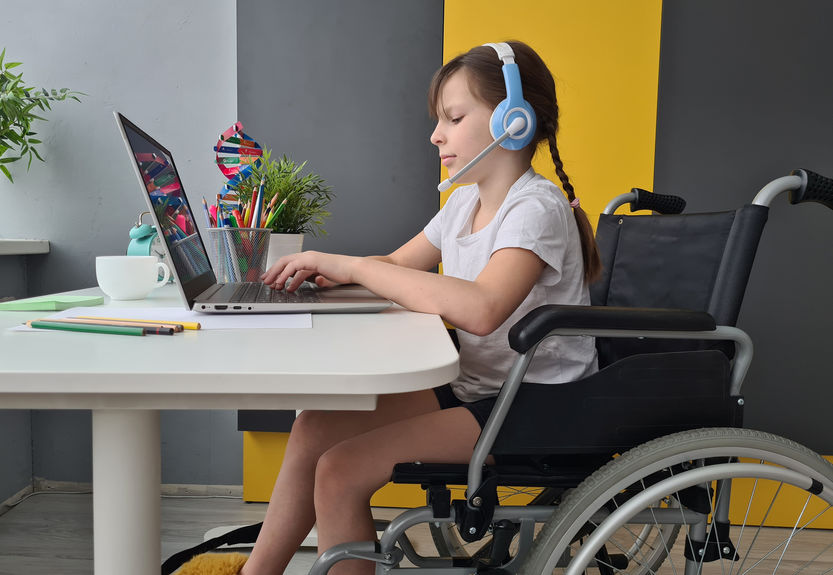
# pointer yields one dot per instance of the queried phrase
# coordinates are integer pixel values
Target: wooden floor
(51, 533)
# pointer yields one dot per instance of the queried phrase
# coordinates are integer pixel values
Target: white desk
(343, 362)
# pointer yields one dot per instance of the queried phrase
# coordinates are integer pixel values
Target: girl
(508, 244)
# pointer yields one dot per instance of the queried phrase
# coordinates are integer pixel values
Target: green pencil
(275, 214)
(108, 329)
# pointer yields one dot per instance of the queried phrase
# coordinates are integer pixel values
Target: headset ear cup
(528, 134)
(496, 122)
(503, 116)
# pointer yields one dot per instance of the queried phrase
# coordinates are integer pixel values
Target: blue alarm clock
(145, 240)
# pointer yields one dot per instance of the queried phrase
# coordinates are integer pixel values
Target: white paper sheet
(206, 321)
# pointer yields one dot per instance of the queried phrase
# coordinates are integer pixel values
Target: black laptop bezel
(191, 289)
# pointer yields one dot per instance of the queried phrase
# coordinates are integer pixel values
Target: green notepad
(51, 302)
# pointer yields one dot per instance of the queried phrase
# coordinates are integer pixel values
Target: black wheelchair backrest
(689, 261)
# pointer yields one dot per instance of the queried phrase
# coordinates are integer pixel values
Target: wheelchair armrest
(535, 325)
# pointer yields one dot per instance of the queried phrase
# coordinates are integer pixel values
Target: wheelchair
(643, 467)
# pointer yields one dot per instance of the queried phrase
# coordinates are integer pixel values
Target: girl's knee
(339, 474)
(309, 432)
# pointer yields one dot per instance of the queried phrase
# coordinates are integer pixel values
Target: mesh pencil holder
(238, 254)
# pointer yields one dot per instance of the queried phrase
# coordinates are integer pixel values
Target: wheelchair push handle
(660, 203)
(814, 188)
(640, 199)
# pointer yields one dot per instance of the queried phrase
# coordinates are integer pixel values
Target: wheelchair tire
(589, 516)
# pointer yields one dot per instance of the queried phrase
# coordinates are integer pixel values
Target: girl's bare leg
(350, 472)
(291, 513)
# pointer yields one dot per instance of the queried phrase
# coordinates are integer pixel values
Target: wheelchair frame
(588, 502)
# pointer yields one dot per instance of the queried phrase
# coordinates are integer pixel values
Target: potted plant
(18, 104)
(300, 202)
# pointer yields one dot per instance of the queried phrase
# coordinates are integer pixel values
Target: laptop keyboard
(256, 292)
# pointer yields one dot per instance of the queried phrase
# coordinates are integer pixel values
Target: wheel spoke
(792, 533)
(785, 542)
(746, 517)
(820, 553)
(760, 527)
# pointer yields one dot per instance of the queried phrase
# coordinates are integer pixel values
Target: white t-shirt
(534, 216)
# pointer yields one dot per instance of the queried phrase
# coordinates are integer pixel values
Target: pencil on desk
(89, 328)
(175, 327)
(150, 329)
(184, 324)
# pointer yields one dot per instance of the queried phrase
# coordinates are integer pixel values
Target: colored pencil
(150, 329)
(184, 324)
(275, 214)
(132, 323)
(257, 207)
(106, 329)
(207, 214)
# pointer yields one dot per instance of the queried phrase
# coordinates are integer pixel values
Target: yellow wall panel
(604, 55)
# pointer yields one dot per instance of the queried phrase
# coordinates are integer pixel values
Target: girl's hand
(325, 269)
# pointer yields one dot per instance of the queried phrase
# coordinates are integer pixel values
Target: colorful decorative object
(235, 154)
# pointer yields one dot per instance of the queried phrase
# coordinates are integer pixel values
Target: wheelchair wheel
(752, 502)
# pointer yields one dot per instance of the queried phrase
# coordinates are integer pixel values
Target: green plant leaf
(6, 172)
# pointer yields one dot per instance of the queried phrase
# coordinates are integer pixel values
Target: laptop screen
(173, 214)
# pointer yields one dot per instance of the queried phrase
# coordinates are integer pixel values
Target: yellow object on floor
(214, 564)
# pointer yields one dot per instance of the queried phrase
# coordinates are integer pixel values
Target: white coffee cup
(130, 277)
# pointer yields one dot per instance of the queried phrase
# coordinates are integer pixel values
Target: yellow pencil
(184, 324)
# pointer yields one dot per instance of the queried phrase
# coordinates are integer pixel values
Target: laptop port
(237, 307)
(220, 307)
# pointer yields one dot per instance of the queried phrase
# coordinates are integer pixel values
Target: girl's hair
(485, 77)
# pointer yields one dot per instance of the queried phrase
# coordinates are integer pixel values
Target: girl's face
(462, 129)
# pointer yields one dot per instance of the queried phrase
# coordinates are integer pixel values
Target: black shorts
(480, 409)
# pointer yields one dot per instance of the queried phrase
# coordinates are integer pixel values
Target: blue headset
(513, 110)
(514, 106)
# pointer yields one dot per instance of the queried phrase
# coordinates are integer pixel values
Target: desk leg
(126, 478)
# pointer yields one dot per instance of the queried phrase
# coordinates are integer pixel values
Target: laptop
(189, 262)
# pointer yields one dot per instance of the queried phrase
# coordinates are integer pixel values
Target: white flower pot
(281, 245)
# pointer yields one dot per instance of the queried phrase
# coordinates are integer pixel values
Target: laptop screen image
(173, 213)
(165, 195)
(174, 218)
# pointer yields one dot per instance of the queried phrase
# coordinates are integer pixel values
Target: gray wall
(15, 452)
(171, 68)
(12, 276)
(745, 97)
(318, 81)
(343, 85)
